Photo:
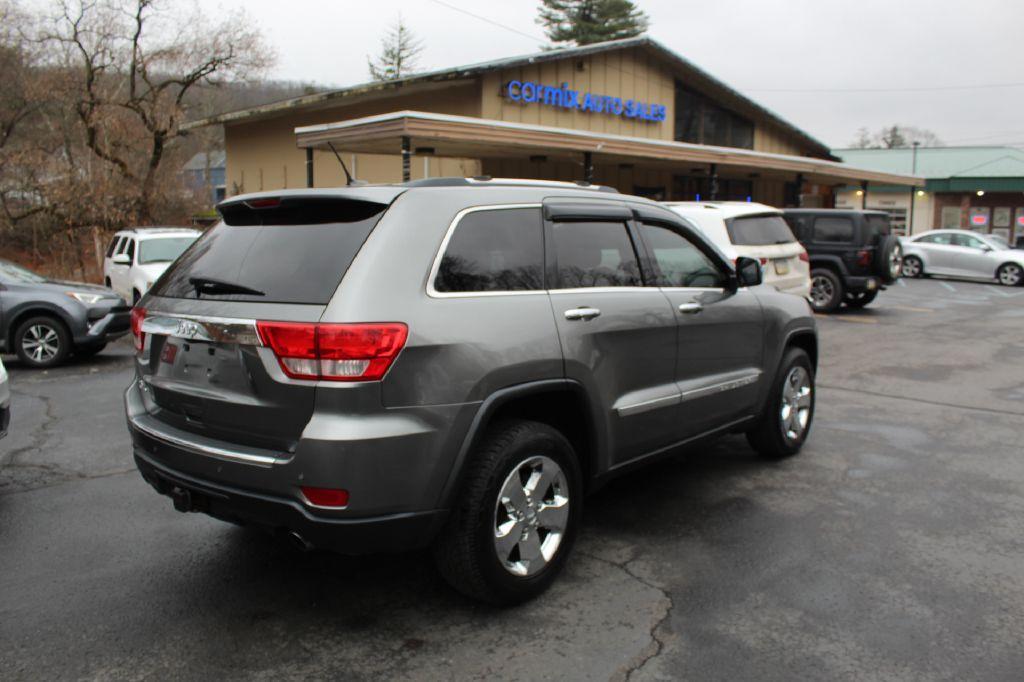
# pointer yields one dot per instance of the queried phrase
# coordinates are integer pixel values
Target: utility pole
(913, 190)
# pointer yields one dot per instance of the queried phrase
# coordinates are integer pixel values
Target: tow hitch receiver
(187, 501)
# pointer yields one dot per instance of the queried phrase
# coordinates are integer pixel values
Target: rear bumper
(279, 515)
(859, 284)
(396, 532)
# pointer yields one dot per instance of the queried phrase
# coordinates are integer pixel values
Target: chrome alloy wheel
(822, 291)
(1010, 275)
(911, 266)
(795, 411)
(531, 516)
(41, 343)
(896, 262)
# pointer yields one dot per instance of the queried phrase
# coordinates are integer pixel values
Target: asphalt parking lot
(890, 548)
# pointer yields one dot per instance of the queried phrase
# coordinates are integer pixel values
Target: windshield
(998, 242)
(163, 250)
(9, 272)
(759, 230)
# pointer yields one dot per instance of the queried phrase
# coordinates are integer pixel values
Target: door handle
(581, 313)
(691, 308)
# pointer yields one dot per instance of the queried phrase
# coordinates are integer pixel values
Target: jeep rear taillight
(137, 318)
(864, 258)
(334, 352)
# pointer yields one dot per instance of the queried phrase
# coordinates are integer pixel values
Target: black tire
(769, 436)
(860, 299)
(54, 335)
(89, 351)
(827, 291)
(1010, 275)
(106, 282)
(913, 267)
(888, 258)
(465, 551)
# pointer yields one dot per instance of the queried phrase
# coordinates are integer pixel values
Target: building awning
(469, 137)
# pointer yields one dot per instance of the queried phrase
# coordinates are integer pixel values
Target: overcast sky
(903, 50)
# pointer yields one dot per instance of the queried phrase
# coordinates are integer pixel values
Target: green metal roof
(941, 163)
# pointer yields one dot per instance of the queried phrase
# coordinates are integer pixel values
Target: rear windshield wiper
(213, 287)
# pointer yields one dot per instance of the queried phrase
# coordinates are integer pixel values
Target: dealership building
(629, 113)
(971, 188)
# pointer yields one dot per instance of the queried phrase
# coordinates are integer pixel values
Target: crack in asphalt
(937, 403)
(657, 643)
(39, 435)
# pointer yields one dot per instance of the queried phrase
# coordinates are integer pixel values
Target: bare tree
(399, 52)
(895, 137)
(92, 103)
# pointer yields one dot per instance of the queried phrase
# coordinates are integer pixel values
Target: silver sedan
(961, 253)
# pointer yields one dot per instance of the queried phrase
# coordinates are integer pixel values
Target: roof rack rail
(506, 182)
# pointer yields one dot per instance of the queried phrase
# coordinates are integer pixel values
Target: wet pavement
(890, 548)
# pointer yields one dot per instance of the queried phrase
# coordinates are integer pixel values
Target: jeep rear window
(759, 230)
(833, 229)
(878, 224)
(295, 252)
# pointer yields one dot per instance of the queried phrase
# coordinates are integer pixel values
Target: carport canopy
(470, 137)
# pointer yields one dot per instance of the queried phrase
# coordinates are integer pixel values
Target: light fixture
(920, 192)
(981, 192)
(860, 192)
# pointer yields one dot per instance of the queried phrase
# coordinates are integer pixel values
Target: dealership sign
(562, 97)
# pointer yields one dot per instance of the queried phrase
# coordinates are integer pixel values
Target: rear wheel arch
(560, 403)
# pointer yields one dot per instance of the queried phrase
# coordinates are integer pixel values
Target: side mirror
(986, 248)
(121, 259)
(748, 272)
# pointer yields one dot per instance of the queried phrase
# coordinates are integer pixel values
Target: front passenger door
(618, 332)
(720, 329)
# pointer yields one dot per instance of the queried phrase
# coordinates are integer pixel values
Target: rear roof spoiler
(307, 206)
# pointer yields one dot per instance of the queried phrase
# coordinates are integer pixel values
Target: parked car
(5, 401)
(45, 320)
(755, 231)
(137, 257)
(961, 253)
(854, 254)
(452, 362)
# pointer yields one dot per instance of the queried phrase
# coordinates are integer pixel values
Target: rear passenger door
(939, 252)
(720, 329)
(617, 331)
(119, 272)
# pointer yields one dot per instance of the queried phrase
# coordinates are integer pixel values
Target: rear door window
(680, 262)
(879, 224)
(296, 253)
(833, 229)
(595, 254)
(113, 246)
(130, 251)
(494, 250)
(944, 238)
(759, 230)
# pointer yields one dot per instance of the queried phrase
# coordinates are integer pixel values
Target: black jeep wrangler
(854, 254)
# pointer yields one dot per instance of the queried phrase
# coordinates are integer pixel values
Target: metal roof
(937, 163)
(701, 79)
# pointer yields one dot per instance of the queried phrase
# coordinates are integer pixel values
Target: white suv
(135, 258)
(742, 228)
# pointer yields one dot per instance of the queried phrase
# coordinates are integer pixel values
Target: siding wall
(629, 74)
(262, 155)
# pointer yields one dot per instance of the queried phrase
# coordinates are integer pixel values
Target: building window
(950, 217)
(702, 121)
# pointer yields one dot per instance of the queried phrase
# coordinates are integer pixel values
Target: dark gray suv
(452, 363)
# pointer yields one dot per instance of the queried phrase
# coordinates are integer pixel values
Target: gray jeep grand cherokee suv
(452, 363)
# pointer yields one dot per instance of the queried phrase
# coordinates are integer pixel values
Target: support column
(309, 167)
(864, 196)
(713, 183)
(406, 159)
(588, 167)
(799, 190)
